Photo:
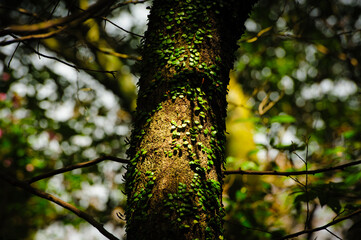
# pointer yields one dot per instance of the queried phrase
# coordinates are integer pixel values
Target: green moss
(174, 59)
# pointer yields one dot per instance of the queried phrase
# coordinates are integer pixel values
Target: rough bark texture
(174, 181)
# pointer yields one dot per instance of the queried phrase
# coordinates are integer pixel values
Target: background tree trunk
(174, 181)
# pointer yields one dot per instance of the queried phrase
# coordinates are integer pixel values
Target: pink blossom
(5, 76)
(2, 96)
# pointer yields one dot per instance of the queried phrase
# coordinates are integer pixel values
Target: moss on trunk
(177, 146)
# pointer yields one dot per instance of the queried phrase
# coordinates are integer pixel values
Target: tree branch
(33, 36)
(20, 10)
(340, 167)
(324, 227)
(68, 64)
(116, 54)
(286, 36)
(75, 166)
(59, 24)
(118, 5)
(266, 105)
(49, 24)
(115, 25)
(26, 186)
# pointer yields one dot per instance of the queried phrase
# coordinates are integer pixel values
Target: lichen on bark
(174, 180)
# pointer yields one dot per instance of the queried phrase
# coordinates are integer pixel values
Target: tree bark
(174, 180)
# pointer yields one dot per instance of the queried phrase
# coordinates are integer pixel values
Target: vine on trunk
(174, 178)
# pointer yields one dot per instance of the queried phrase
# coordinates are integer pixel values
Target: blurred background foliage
(295, 89)
(299, 67)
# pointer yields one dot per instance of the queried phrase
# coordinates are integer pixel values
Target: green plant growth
(177, 145)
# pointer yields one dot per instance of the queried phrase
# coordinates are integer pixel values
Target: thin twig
(53, 23)
(312, 214)
(307, 196)
(25, 186)
(21, 10)
(297, 181)
(324, 227)
(285, 35)
(114, 24)
(75, 166)
(266, 105)
(68, 64)
(300, 157)
(116, 54)
(292, 36)
(306, 183)
(293, 173)
(122, 4)
(12, 55)
(123, 29)
(54, 8)
(32, 37)
(333, 234)
(119, 55)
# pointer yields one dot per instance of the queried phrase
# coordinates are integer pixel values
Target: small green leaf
(349, 134)
(282, 119)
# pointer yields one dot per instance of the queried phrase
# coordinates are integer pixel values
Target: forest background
(68, 97)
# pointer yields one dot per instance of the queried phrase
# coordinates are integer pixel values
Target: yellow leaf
(322, 48)
(354, 62)
(263, 31)
(86, 89)
(252, 40)
(93, 33)
(342, 56)
(52, 43)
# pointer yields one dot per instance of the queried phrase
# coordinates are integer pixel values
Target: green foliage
(282, 119)
(301, 57)
(39, 134)
(50, 118)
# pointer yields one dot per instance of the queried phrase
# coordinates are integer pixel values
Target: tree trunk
(174, 180)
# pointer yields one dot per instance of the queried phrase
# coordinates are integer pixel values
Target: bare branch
(21, 10)
(115, 25)
(293, 173)
(60, 24)
(33, 36)
(333, 234)
(116, 54)
(12, 55)
(54, 23)
(297, 181)
(307, 222)
(324, 227)
(75, 166)
(292, 36)
(266, 105)
(122, 4)
(25, 186)
(285, 35)
(68, 64)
